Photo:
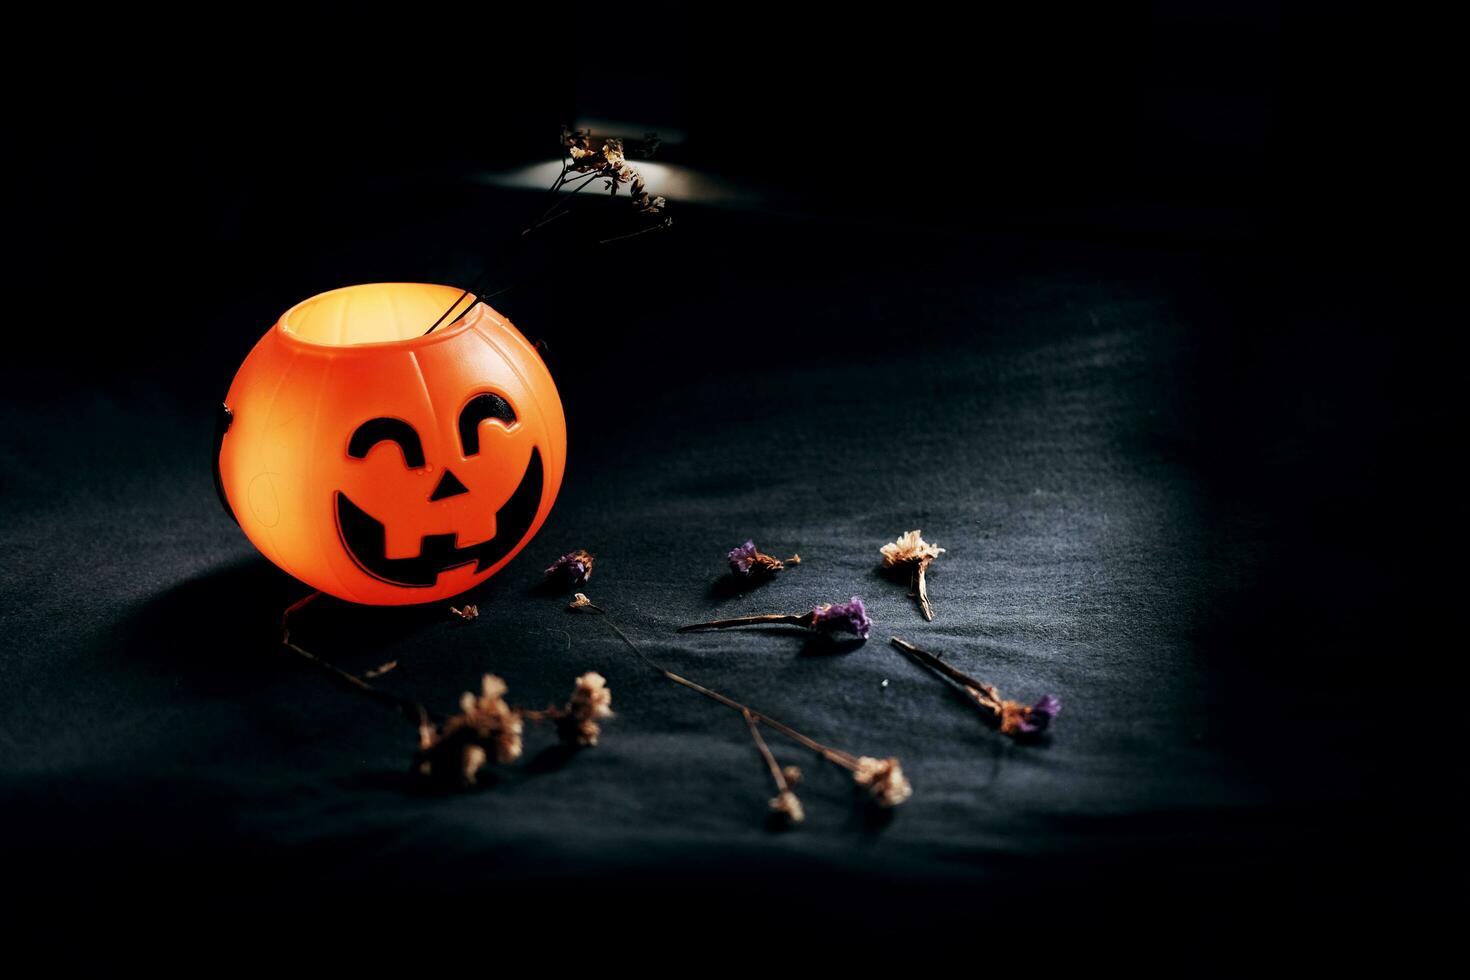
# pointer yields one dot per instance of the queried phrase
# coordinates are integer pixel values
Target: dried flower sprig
(591, 701)
(584, 161)
(748, 561)
(572, 568)
(881, 780)
(913, 553)
(469, 613)
(785, 804)
(607, 160)
(410, 708)
(830, 617)
(488, 725)
(456, 750)
(459, 748)
(1008, 717)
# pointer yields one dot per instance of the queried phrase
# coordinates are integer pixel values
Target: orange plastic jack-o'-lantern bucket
(382, 465)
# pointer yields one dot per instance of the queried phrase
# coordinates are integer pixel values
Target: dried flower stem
(921, 588)
(720, 624)
(410, 708)
(582, 166)
(933, 661)
(1011, 717)
(556, 185)
(765, 750)
(845, 759)
(631, 234)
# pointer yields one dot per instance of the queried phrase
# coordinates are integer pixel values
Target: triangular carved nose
(449, 486)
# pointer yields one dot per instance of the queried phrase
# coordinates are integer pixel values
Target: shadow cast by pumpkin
(218, 632)
(221, 630)
(218, 636)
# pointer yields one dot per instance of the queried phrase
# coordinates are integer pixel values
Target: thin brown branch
(845, 759)
(921, 588)
(765, 750)
(411, 709)
(984, 694)
(721, 624)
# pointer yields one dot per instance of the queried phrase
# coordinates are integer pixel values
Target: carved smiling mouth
(364, 537)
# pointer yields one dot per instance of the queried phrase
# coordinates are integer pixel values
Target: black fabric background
(1177, 478)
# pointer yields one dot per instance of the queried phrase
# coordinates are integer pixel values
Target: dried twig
(1009, 717)
(882, 779)
(850, 617)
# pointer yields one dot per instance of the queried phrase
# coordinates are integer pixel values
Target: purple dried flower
(741, 557)
(572, 568)
(851, 616)
(1040, 714)
(748, 561)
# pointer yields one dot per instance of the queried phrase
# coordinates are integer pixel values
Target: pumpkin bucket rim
(289, 333)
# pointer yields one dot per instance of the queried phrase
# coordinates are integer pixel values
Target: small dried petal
(492, 687)
(579, 601)
(789, 807)
(467, 613)
(1031, 720)
(472, 759)
(747, 560)
(508, 740)
(741, 557)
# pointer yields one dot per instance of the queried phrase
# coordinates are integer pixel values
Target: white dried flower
(788, 806)
(591, 699)
(910, 546)
(914, 553)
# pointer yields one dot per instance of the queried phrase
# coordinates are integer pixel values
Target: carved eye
(487, 405)
(374, 431)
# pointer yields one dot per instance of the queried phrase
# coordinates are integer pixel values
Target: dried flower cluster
(910, 551)
(1008, 717)
(607, 159)
(883, 779)
(488, 725)
(468, 613)
(850, 616)
(572, 568)
(591, 700)
(584, 161)
(748, 561)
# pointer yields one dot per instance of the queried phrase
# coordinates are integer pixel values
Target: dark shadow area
(732, 586)
(820, 644)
